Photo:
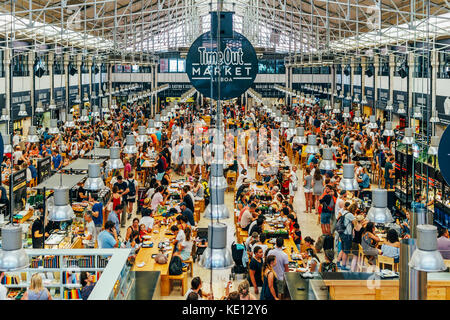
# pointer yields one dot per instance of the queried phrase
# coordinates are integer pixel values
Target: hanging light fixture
(434, 116)
(348, 97)
(389, 106)
(5, 115)
(426, 257)
(32, 135)
(327, 162)
(12, 255)
(300, 136)
(312, 147)
(357, 118)
(434, 145)
(142, 135)
(291, 130)
(151, 127)
(158, 123)
(95, 112)
(364, 100)
(94, 182)
(114, 161)
(341, 94)
(62, 210)
(69, 122)
(85, 98)
(217, 256)
(278, 116)
(53, 126)
(52, 105)
(356, 100)
(130, 146)
(217, 209)
(348, 182)
(23, 111)
(84, 116)
(164, 116)
(285, 121)
(417, 113)
(336, 109)
(346, 113)
(39, 107)
(77, 100)
(401, 108)
(379, 212)
(409, 136)
(372, 122)
(388, 132)
(7, 147)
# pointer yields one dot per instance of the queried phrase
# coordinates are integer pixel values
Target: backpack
(132, 187)
(175, 266)
(340, 224)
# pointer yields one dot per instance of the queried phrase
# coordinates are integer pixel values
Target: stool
(231, 180)
(184, 283)
(190, 264)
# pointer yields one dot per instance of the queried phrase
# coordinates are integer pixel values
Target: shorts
(306, 190)
(281, 285)
(346, 243)
(325, 217)
(131, 199)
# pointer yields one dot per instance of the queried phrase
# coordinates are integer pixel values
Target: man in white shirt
(148, 221)
(16, 139)
(90, 231)
(3, 290)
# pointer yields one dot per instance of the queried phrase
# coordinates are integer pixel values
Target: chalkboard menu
(44, 166)
(19, 179)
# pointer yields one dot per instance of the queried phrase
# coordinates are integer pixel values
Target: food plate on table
(146, 237)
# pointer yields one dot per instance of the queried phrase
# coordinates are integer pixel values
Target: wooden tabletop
(145, 254)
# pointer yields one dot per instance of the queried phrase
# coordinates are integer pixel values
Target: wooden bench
(184, 283)
(190, 263)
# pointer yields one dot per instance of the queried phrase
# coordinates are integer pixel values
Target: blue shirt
(113, 217)
(33, 171)
(106, 240)
(311, 156)
(98, 207)
(56, 161)
(158, 135)
(365, 181)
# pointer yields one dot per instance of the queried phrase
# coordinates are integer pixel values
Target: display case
(403, 176)
(61, 269)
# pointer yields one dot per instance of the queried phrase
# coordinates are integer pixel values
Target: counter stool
(383, 260)
(184, 283)
(190, 263)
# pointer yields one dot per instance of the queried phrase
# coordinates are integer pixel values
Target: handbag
(161, 258)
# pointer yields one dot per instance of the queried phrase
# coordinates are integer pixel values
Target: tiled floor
(308, 225)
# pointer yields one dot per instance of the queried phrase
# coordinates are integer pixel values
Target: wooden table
(145, 255)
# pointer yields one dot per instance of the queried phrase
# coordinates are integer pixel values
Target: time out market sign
(221, 68)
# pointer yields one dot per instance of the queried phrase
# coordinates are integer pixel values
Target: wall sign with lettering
(222, 69)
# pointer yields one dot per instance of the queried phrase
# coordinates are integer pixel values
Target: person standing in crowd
(131, 196)
(443, 242)
(36, 291)
(87, 284)
(56, 160)
(281, 266)
(185, 211)
(107, 239)
(97, 213)
(318, 184)
(114, 217)
(269, 290)
(187, 199)
(389, 173)
(327, 202)
(255, 269)
(123, 190)
(90, 230)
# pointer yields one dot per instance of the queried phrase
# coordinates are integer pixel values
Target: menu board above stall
(44, 166)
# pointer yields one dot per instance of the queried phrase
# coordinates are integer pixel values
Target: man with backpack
(327, 201)
(344, 227)
(131, 195)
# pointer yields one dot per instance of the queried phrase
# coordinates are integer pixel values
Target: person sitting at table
(328, 265)
(158, 198)
(132, 236)
(187, 199)
(247, 217)
(184, 248)
(309, 244)
(197, 189)
(242, 176)
(312, 261)
(391, 248)
(179, 236)
(185, 211)
(182, 222)
(369, 243)
(296, 235)
(196, 286)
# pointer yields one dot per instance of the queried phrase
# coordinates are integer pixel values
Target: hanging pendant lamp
(327, 162)
(426, 257)
(94, 182)
(130, 146)
(348, 182)
(114, 161)
(357, 118)
(217, 256)
(53, 127)
(409, 136)
(312, 147)
(388, 132)
(434, 145)
(142, 135)
(300, 136)
(62, 210)
(379, 212)
(12, 255)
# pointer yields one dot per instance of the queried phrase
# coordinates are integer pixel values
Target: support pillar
(66, 81)
(352, 74)
(8, 95)
(333, 83)
(31, 56)
(89, 63)
(411, 64)
(80, 77)
(376, 65)
(363, 76)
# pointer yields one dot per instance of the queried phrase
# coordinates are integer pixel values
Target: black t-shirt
(122, 186)
(38, 243)
(188, 200)
(299, 235)
(164, 181)
(327, 201)
(80, 190)
(257, 267)
(160, 165)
